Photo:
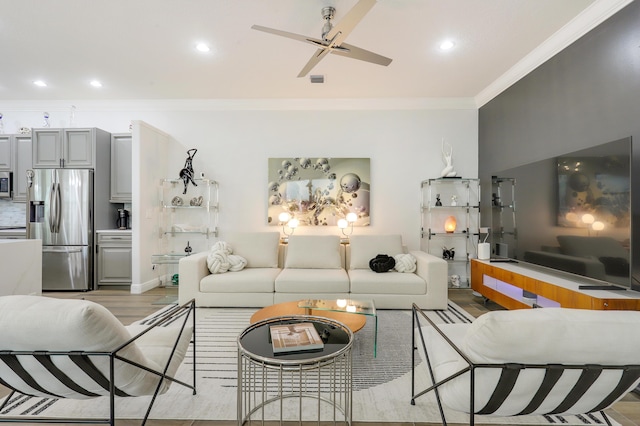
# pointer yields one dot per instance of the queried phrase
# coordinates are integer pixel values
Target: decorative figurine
(45, 116)
(454, 200)
(448, 254)
(188, 249)
(438, 202)
(454, 280)
(187, 174)
(447, 154)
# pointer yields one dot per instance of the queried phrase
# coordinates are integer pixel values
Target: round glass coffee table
(297, 386)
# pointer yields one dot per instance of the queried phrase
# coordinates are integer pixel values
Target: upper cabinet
(21, 163)
(121, 168)
(65, 148)
(6, 156)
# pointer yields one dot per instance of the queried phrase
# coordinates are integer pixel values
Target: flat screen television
(571, 213)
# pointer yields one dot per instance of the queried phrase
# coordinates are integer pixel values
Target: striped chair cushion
(539, 337)
(42, 324)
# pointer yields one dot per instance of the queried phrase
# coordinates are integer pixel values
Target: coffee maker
(123, 219)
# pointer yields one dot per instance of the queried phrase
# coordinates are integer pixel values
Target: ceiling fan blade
(350, 20)
(317, 57)
(314, 41)
(361, 54)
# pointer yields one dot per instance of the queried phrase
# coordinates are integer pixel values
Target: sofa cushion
(365, 281)
(249, 280)
(260, 249)
(312, 281)
(313, 252)
(363, 248)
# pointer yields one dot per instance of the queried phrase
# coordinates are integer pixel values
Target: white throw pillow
(260, 249)
(365, 247)
(220, 259)
(405, 262)
(313, 252)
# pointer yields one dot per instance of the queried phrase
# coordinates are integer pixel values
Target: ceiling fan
(333, 37)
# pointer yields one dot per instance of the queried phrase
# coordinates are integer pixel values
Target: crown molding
(587, 20)
(240, 104)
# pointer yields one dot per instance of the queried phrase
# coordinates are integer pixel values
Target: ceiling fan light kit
(316, 78)
(333, 37)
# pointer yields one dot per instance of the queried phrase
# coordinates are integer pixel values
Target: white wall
(234, 143)
(150, 154)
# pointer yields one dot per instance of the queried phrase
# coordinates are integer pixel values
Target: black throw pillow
(382, 263)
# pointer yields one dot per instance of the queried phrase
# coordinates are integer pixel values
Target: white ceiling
(144, 49)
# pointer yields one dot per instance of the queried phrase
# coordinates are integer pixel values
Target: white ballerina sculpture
(447, 153)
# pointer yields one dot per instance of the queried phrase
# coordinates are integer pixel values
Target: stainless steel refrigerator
(60, 213)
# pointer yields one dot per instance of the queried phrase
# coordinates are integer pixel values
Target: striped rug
(381, 385)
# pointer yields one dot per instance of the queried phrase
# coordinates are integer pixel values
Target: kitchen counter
(21, 265)
(114, 231)
(13, 233)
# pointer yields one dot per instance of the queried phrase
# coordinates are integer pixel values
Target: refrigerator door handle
(58, 207)
(61, 250)
(52, 200)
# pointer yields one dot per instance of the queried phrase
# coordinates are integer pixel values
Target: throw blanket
(221, 259)
(405, 263)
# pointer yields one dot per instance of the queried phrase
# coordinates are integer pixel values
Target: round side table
(313, 383)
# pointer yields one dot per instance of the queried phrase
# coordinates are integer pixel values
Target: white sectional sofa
(316, 267)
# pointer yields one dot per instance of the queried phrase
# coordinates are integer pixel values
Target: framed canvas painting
(319, 191)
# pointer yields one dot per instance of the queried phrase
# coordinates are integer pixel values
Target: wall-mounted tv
(571, 213)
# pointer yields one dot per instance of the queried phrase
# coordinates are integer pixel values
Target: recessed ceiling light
(40, 83)
(202, 47)
(95, 83)
(447, 45)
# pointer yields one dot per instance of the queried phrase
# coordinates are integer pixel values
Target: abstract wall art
(319, 191)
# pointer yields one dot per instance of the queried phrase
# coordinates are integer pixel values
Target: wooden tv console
(523, 286)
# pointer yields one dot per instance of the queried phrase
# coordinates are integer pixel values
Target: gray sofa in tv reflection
(602, 258)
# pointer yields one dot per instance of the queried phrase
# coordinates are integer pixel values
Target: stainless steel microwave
(5, 184)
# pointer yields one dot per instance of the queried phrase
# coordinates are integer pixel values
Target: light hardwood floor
(131, 307)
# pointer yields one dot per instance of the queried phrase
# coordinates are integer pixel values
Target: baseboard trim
(141, 288)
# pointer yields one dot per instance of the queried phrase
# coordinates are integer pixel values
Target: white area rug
(381, 386)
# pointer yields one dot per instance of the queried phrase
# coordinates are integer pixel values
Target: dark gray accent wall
(586, 95)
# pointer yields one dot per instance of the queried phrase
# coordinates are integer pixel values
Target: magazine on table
(295, 338)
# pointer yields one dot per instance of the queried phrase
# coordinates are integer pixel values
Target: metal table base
(315, 386)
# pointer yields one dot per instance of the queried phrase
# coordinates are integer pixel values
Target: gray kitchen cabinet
(67, 148)
(114, 258)
(121, 168)
(22, 161)
(6, 157)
